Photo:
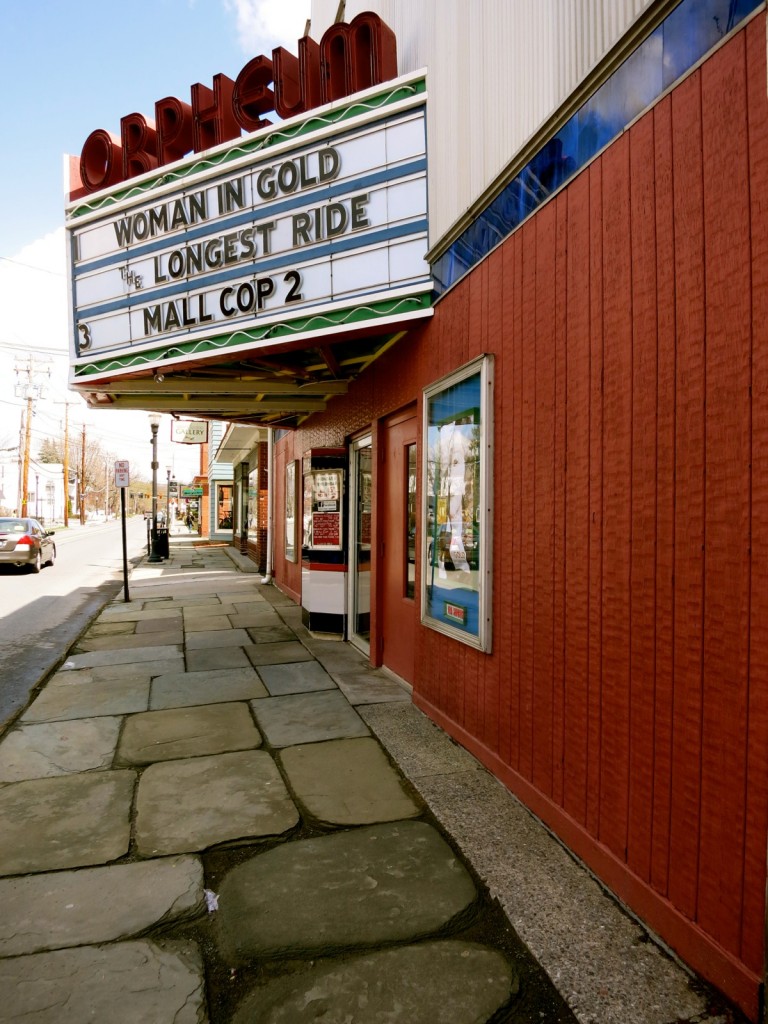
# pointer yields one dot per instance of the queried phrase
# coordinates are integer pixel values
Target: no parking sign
(122, 473)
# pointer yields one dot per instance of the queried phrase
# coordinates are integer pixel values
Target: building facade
(517, 404)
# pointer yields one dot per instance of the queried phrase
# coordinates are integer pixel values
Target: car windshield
(13, 526)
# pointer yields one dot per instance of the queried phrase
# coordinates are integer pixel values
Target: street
(41, 615)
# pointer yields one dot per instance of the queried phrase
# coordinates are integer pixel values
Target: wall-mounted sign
(189, 431)
(191, 492)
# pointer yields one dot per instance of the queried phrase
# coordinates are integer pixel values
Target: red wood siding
(626, 698)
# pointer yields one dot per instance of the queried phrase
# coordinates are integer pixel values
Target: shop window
(252, 522)
(224, 506)
(456, 505)
(291, 521)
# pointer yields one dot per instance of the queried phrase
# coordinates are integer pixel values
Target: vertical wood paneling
(528, 501)
(665, 491)
(491, 342)
(728, 421)
(558, 492)
(577, 511)
(617, 497)
(506, 550)
(595, 485)
(516, 659)
(543, 527)
(643, 529)
(689, 495)
(756, 812)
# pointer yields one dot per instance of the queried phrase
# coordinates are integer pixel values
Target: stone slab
(347, 782)
(277, 654)
(77, 908)
(193, 612)
(114, 628)
(271, 634)
(134, 641)
(66, 822)
(217, 658)
(380, 884)
(159, 624)
(336, 656)
(127, 613)
(58, 748)
(126, 983)
(219, 685)
(70, 697)
(255, 615)
(139, 655)
(308, 718)
(186, 732)
(225, 797)
(298, 677)
(206, 625)
(370, 687)
(209, 638)
(445, 982)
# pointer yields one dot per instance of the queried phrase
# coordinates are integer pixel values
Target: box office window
(456, 539)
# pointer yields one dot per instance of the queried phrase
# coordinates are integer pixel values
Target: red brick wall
(626, 698)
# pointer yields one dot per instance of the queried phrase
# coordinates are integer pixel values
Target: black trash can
(162, 542)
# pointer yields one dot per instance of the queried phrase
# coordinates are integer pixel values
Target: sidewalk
(209, 814)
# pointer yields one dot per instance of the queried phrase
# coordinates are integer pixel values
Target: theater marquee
(308, 227)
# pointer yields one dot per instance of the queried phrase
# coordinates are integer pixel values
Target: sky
(68, 67)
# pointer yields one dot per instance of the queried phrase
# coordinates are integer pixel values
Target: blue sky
(68, 67)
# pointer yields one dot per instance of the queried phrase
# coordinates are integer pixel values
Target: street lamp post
(168, 501)
(154, 555)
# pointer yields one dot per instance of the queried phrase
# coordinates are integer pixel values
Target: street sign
(191, 492)
(122, 473)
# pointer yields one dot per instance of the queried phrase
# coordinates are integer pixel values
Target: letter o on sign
(101, 160)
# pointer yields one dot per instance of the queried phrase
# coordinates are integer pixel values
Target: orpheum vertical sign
(297, 229)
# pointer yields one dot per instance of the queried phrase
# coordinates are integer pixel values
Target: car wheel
(37, 565)
(52, 559)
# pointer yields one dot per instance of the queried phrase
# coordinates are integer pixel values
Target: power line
(29, 266)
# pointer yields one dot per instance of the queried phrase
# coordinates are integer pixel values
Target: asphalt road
(42, 615)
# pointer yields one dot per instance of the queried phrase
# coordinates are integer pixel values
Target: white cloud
(265, 24)
(33, 297)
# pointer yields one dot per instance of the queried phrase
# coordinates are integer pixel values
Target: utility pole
(31, 390)
(82, 480)
(66, 458)
(25, 465)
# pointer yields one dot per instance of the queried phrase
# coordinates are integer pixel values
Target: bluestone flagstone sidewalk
(209, 814)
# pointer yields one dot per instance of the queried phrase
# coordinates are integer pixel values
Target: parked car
(26, 542)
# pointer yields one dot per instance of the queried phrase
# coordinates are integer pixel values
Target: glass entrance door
(359, 627)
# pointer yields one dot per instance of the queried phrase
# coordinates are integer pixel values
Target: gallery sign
(189, 431)
(293, 238)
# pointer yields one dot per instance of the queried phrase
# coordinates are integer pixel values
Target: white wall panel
(496, 69)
